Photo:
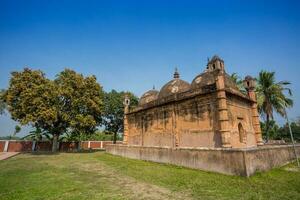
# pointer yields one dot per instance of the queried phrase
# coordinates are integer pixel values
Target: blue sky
(133, 45)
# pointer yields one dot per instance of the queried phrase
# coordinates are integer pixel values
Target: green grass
(102, 176)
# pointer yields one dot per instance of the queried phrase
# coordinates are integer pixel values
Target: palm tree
(238, 81)
(271, 97)
(37, 134)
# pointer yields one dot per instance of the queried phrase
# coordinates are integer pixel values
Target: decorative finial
(176, 74)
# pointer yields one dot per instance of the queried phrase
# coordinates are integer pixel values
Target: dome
(209, 78)
(174, 86)
(202, 80)
(151, 95)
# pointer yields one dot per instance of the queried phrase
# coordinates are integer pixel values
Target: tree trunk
(79, 145)
(115, 138)
(54, 142)
(267, 128)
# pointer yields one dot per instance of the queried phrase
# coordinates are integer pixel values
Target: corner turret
(215, 63)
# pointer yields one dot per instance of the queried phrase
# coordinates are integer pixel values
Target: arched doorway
(241, 132)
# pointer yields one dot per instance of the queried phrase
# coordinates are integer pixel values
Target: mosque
(211, 111)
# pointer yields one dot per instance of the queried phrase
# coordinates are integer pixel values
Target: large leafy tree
(282, 132)
(70, 102)
(271, 97)
(2, 103)
(114, 111)
(285, 133)
(273, 130)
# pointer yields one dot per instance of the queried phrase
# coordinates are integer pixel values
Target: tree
(273, 130)
(37, 134)
(285, 134)
(17, 130)
(114, 111)
(271, 97)
(2, 103)
(238, 81)
(70, 102)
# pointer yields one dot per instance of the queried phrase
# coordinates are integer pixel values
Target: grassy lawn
(103, 176)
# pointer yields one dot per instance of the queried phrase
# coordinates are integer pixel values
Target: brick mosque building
(209, 112)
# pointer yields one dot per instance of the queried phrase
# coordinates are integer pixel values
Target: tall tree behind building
(271, 97)
(113, 119)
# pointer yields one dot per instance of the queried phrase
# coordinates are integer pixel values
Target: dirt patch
(292, 169)
(128, 186)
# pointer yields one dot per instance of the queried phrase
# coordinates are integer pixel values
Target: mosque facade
(211, 111)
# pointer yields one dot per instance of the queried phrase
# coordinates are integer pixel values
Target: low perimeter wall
(243, 162)
(28, 146)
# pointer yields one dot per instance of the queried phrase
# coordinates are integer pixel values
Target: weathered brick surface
(19, 146)
(243, 162)
(213, 112)
(2, 144)
(43, 146)
(26, 146)
(68, 146)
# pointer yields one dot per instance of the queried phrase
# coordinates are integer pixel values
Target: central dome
(174, 86)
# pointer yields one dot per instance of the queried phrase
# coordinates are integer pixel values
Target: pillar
(174, 125)
(6, 146)
(222, 110)
(249, 84)
(126, 110)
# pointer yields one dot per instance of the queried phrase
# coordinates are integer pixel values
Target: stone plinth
(243, 162)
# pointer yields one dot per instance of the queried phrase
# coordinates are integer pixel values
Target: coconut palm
(238, 81)
(37, 134)
(271, 97)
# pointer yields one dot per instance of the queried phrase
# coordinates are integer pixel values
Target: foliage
(17, 130)
(38, 134)
(97, 136)
(114, 110)
(2, 103)
(104, 136)
(70, 102)
(238, 81)
(271, 96)
(9, 137)
(102, 176)
(273, 130)
(277, 132)
(285, 133)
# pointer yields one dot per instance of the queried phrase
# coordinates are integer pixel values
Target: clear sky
(133, 45)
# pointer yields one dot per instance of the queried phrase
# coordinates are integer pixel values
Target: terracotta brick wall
(68, 146)
(26, 146)
(84, 145)
(19, 146)
(43, 146)
(2, 144)
(95, 144)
